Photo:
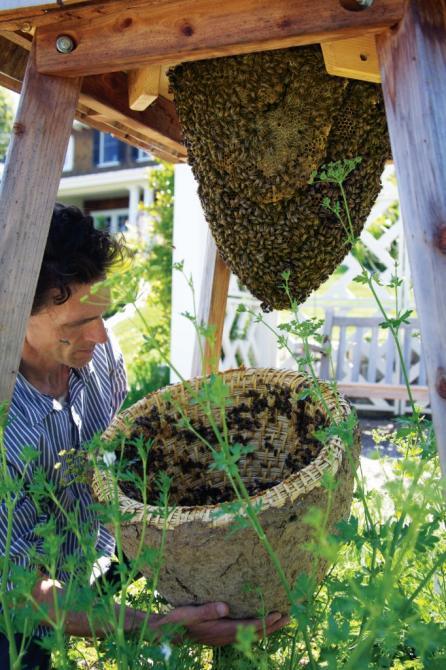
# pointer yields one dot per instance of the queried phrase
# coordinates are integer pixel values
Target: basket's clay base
(237, 562)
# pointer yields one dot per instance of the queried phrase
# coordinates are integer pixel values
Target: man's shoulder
(109, 352)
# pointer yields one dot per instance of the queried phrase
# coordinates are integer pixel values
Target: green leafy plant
(382, 603)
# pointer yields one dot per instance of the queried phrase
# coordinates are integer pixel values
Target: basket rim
(286, 491)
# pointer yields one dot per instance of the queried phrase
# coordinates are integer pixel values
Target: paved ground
(368, 425)
(376, 472)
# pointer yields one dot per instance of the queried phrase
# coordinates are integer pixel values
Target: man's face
(68, 333)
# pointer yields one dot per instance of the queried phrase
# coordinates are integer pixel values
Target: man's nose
(97, 332)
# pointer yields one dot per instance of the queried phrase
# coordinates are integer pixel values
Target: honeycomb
(256, 126)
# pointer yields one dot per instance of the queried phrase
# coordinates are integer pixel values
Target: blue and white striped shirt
(95, 393)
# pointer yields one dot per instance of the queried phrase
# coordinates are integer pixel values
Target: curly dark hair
(75, 253)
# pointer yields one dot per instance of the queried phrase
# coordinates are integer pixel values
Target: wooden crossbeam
(108, 94)
(413, 70)
(27, 13)
(103, 104)
(29, 186)
(128, 35)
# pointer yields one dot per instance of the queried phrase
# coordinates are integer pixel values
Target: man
(70, 384)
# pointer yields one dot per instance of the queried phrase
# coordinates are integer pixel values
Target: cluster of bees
(256, 126)
(279, 426)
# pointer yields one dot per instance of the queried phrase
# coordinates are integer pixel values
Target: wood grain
(177, 30)
(29, 186)
(413, 70)
(211, 310)
(108, 94)
(14, 19)
(144, 86)
(103, 104)
(355, 58)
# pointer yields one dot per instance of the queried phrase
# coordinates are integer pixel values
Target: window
(69, 156)
(111, 220)
(108, 150)
(143, 155)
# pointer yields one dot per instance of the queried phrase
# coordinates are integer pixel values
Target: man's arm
(207, 624)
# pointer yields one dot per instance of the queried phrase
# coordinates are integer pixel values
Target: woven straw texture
(202, 561)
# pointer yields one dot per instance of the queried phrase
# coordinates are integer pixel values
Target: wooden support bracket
(104, 106)
(29, 186)
(413, 70)
(125, 35)
(144, 86)
(212, 309)
(356, 58)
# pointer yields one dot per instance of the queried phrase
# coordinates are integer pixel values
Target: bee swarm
(263, 421)
(256, 126)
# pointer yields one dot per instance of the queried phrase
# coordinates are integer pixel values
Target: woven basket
(202, 561)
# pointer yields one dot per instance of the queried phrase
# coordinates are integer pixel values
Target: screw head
(65, 44)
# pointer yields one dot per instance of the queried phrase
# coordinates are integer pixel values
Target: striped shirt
(95, 393)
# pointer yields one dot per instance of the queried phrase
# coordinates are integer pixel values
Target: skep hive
(201, 561)
(256, 126)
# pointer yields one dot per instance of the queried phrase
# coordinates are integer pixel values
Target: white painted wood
(324, 370)
(357, 352)
(390, 358)
(373, 353)
(340, 363)
(134, 193)
(389, 391)
(31, 176)
(189, 244)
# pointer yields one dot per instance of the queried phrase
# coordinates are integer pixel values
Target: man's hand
(209, 624)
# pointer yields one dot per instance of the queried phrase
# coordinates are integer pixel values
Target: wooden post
(28, 191)
(413, 70)
(212, 309)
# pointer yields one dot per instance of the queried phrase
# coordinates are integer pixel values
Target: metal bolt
(65, 44)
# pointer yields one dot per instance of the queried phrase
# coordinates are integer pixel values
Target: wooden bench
(363, 358)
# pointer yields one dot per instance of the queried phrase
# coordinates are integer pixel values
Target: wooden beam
(13, 59)
(156, 130)
(355, 58)
(413, 71)
(29, 186)
(108, 95)
(211, 310)
(23, 17)
(144, 86)
(179, 30)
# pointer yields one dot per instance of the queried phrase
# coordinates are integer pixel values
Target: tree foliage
(6, 121)
(152, 266)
